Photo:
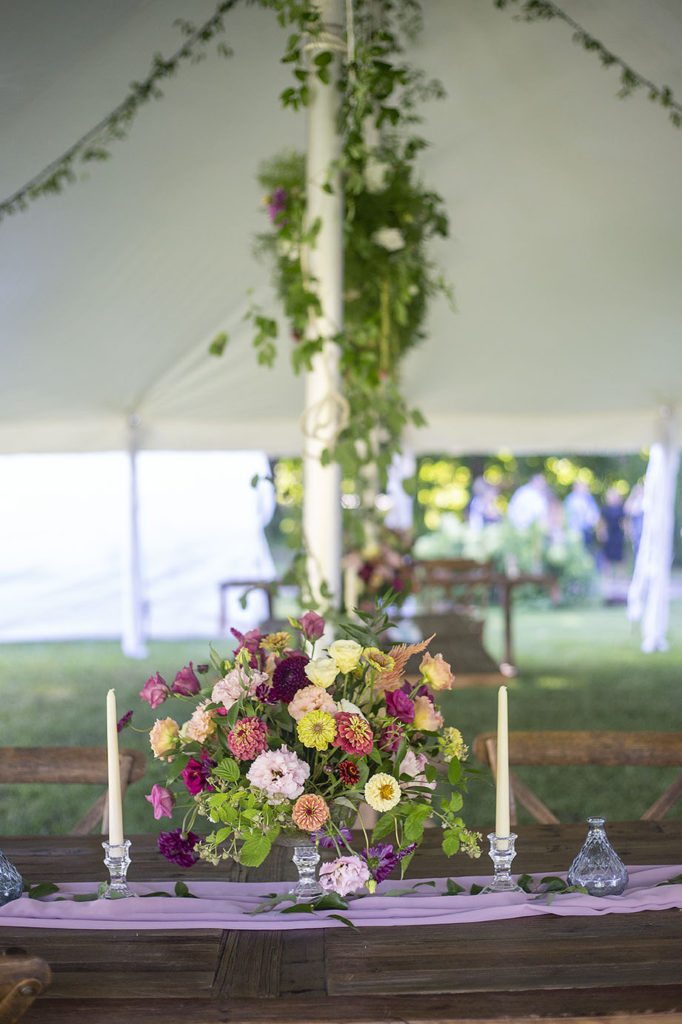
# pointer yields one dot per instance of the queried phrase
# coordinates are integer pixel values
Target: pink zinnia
(248, 738)
(310, 812)
(353, 733)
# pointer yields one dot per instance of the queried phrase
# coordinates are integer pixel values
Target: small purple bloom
(185, 682)
(202, 669)
(195, 774)
(399, 705)
(312, 626)
(325, 840)
(263, 694)
(422, 691)
(277, 205)
(381, 860)
(124, 721)
(390, 737)
(410, 848)
(162, 801)
(155, 690)
(178, 847)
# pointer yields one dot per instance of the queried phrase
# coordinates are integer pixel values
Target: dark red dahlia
(178, 847)
(288, 678)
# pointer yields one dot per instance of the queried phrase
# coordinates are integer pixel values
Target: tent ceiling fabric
(564, 256)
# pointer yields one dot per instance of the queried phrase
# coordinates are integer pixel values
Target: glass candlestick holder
(502, 853)
(306, 858)
(117, 860)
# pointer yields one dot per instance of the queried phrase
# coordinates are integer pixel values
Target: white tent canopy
(565, 248)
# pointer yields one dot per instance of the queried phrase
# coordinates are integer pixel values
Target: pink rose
(436, 672)
(155, 690)
(426, 715)
(186, 683)
(162, 800)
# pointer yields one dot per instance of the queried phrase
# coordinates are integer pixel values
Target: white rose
(376, 173)
(322, 671)
(346, 654)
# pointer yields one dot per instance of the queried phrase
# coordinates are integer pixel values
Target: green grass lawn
(578, 669)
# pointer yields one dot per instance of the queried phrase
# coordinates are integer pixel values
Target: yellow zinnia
(317, 729)
(382, 792)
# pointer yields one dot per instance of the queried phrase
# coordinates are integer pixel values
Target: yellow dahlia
(382, 792)
(317, 729)
(378, 659)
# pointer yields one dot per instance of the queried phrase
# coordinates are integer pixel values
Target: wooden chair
(71, 765)
(22, 978)
(659, 749)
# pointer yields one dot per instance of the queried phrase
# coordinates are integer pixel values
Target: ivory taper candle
(502, 810)
(115, 808)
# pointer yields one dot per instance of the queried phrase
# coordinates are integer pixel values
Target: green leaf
(228, 769)
(384, 825)
(217, 346)
(476, 889)
(453, 888)
(254, 851)
(344, 920)
(330, 901)
(299, 908)
(36, 892)
(454, 771)
(85, 897)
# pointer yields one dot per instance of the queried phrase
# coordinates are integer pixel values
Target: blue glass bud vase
(598, 868)
(11, 882)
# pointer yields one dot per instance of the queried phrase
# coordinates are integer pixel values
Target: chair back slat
(576, 748)
(67, 765)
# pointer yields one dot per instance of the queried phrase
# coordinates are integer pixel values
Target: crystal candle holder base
(117, 860)
(306, 858)
(502, 853)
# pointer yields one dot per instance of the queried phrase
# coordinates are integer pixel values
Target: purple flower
(381, 860)
(410, 848)
(155, 690)
(263, 694)
(399, 705)
(185, 682)
(390, 737)
(202, 669)
(178, 847)
(325, 840)
(195, 774)
(288, 678)
(162, 801)
(422, 691)
(277, 204)
(123, 721)
(312, 626)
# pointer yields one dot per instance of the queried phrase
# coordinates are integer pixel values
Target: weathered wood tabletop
(618, 965)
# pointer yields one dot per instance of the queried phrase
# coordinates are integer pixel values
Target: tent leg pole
(132, 638)
(323, 399)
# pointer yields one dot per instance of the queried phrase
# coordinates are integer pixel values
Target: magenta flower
(162, 800)
(312, 626)
(124, 721)
(251, 642)
(155, 690)
(399, 705)
(185, 682)
(178, 847)
(248, 738)
(195, 774)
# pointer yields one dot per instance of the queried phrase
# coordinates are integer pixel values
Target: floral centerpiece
(289, 740)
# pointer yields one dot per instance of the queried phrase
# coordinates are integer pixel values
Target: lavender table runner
(228, 905)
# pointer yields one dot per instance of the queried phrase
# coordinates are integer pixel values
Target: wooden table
(583, 968)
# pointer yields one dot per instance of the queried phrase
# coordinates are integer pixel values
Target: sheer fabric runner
(229, 905)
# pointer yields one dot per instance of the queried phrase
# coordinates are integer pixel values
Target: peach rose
(162, 737)
(436, 672)
(426, 715)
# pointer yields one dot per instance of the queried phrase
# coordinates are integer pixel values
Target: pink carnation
(279, 773)
(353, 733)
(248, 738)
(310, 698)
(344, 875)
